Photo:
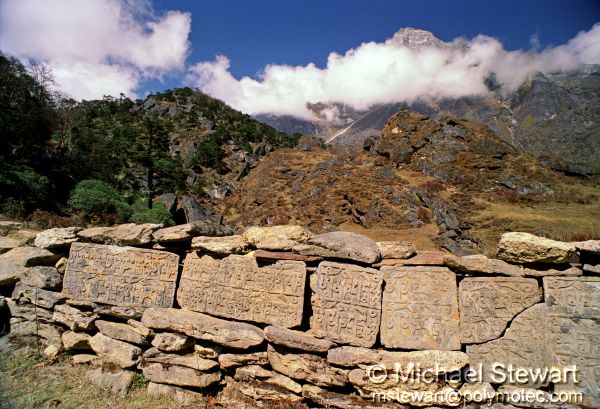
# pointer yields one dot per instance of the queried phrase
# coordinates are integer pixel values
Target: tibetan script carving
(235, 287)
(123, 276)
(574, 322)
(420, 308)
(346, 303)
(488, 304)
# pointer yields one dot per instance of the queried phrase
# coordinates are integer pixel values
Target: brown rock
(73, 318)
(192, 360)
(341, 245)
(220, 245)
(7, 244)
(122, 235)
(57, 238)
(7, 226)
(204, 327)
(172, 342)
(183, 396)
(180, 376)
(39, 297)
(284, 255)
(75, 341)
(488, 304)
(122, 332)
(396, 249)
(588, 246)
(477, 392)
(276, 237)
(423, 258)
(46, 278)
(117, 380)
(86, 359)
(483, 265)
(119, 311)
(296, 340)
(306, 367)
(207, 352)
(29, 256)
(51, 334)
(329, 399)
(232, 360)
(519, 247)
(346, 302)
(248, 372)
(10, 273)
(61, 265)
(28, 312)
(264, 392)
(594, 269)
(420, 308)
(113, 351)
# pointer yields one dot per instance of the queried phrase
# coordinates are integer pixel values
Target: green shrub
(209, 153)
(13, 208)
(158, 214)
(95, 197)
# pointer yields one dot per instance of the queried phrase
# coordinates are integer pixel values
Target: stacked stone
(279, 313)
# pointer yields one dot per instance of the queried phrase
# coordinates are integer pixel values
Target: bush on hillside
(158, 214)
(95, 197)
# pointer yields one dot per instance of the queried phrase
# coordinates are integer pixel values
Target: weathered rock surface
(296, 340)
(236, 287)
(48, 332)
(204, 327)
(122, 332)
(420, 308)
(7, 226)
(46, 278)
(172, 342)
(534, 398)
(130, 234)
(396, 249)
(276, 237)
(232, 360)
(28, 311)
(57, 238)
(75, 341)
(483, 265)
(341, 245)
(220, 245)
(183, 396)
(29, 256)
(185, 232)
(306, 367)
(488, 304)
(594, 269)
(10, 273)
(520, 247)
(207, 352)
(7, 244)
(118, 381)
(192, 360)
(180, 375)
(86, 359)
(61, 265)
(588, 246)
(74, 318)
(42, 298)
(138, 327)
(284, 255)
(423, 258)
(346, 303)
(260, 391)
(113, 351)
(134, 313)
(329, 399)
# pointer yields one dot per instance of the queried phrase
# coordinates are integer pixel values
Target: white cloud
(393, 71)
(96, 47)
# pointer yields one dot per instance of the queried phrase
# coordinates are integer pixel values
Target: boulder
(220, 245)
(172, 342)
(7, 244)
(183, 396)
(51, 351)
(116, 352)
(296, 340)
(396, 249)
(341, 245)
(180, 376)
(276, 237)
(189, 210)
(58, 238)
(43, 277)
(29, 256)
(122, 332)
(153, 355)
(118, 380)
(204, 327)
(130, 234)
(74, 318)
(10, 273)
(168, 200)
(75, 340)
(519, 247)
(185, 232)
(39, 297)
(232, 360)
(306, 367)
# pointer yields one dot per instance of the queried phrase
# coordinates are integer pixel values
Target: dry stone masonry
(332, 320)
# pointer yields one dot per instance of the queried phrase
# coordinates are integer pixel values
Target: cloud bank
(410, 66)
(96, 47)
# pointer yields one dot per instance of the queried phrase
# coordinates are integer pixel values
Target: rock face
(57, 238)
(46, 278)
(116, 352)
(306, 367)
(7, 244)
(39, 297)
(123, 235)
(75, 341)
(233, 360)
(420, 308)
(342, 245)
(171, 342)
(29, 256)
(155, 274)
(122, 332)
(204, 327)
(180, 375)
(10, 273)
(153, 355)
(296, 340)
(73, 318)
(396, 249)
(235, 287)
(488, 304)
(118, 381)
(276, 237)
(526, 248)
(183, 396)
(220, 245)
(346, 303)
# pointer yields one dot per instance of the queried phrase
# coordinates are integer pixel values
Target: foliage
(96, 198)
(209, 153)
(157, 214)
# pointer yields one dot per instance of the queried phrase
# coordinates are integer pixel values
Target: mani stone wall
(331, 320)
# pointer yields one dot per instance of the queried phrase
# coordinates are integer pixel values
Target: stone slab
(122, 276)
(423, 258)
(235, 287)
(420, 308)
(346, 303)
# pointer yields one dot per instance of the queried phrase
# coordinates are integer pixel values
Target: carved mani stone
(487, 304)
(235, 287)
(122, 276)
(346, 303)
(420, 308)
(574, 322)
